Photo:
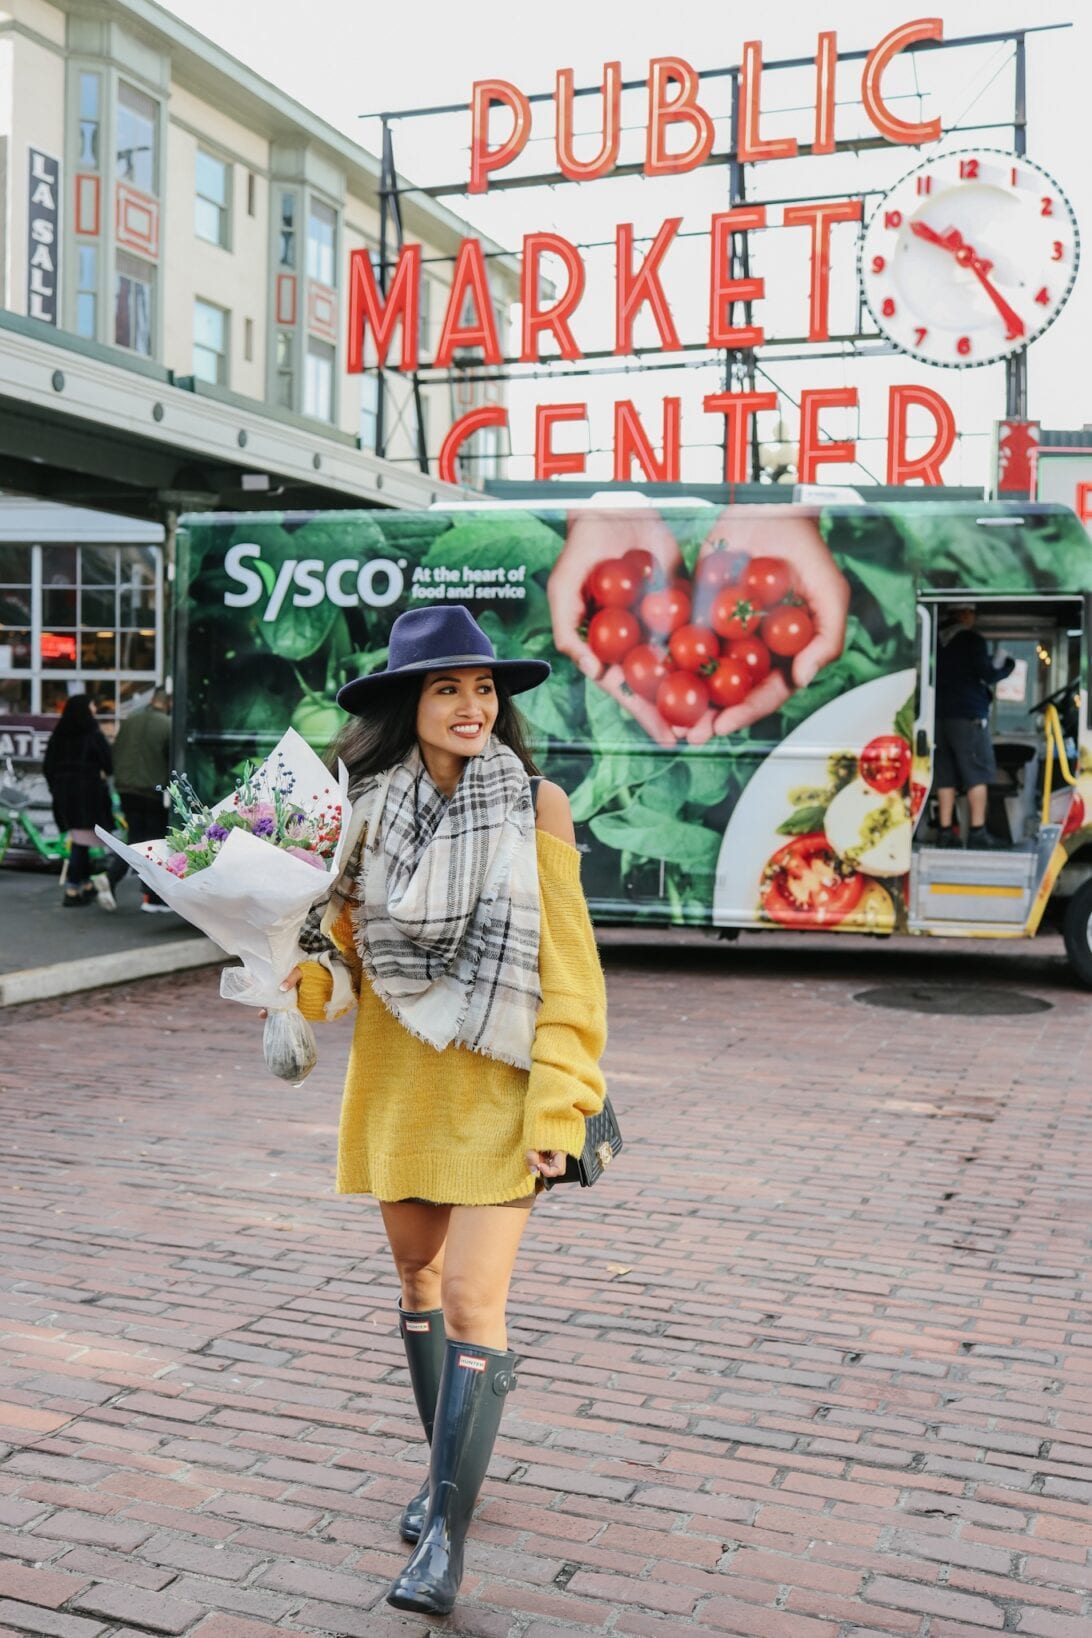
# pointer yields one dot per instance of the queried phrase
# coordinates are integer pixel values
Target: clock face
(969, 258)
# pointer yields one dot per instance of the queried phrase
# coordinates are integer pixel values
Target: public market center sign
(964, 262)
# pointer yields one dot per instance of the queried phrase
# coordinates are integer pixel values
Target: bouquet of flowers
(246, 872)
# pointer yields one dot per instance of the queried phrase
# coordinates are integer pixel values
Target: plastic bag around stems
(288, 1041)
(253, 899)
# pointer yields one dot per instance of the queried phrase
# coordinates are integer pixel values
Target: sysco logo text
(348, 582)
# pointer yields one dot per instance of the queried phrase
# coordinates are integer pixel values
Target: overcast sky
(343, 58)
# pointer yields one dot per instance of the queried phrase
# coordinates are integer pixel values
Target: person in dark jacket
(966, 675)
(77, 766)
(142, 767)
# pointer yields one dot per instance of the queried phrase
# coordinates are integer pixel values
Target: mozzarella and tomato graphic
(850, 843)
(686, 646)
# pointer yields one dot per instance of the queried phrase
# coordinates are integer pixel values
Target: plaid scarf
(447, 910)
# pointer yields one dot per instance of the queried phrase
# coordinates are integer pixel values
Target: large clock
(969, 258)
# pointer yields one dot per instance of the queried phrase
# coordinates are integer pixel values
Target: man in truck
(966, 676)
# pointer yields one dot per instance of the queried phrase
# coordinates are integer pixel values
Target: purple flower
(216, 833)
(264, 827)
(177, 864)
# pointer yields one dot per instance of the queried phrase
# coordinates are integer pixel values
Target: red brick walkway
(816, 1361)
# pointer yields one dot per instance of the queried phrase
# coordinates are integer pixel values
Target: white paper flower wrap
(253, 899)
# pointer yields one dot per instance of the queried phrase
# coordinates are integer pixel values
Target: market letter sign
(43, 237)
(501, 121)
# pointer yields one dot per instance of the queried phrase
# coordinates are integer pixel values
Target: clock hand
(947, 241)
(966, 256)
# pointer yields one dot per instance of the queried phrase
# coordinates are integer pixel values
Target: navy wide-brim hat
(439, 637)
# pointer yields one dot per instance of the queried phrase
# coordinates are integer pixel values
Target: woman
(461, 928)
(76, 767)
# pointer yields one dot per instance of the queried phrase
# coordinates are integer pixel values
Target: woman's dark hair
(77, 718)
(368, 744)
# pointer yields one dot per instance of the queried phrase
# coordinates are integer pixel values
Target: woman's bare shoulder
(553, 813)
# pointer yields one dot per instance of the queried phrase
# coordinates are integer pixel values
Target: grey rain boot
(473, 1387)
(423, 1336)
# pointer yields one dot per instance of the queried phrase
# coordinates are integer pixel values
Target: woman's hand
(547, 1162)
(290, 983)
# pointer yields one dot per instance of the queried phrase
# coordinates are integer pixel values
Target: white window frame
(316, 266)
(221, 354)
(319, 351)
(223, 208)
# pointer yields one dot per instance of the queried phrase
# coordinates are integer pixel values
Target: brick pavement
(815, 1362)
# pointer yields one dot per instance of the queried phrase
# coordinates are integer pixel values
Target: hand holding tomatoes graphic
(789, 596)
(689, 658)
(610, 564)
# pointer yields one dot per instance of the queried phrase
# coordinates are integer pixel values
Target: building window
(251, 194)
(90, 121)
(210, 343)
(87, 288)
(286, 375)
(248, 340)
(318, 382)
(480, 457)
(369, 409)
(134, 316)
(97, 624)
(137, 144)
(321, 232)
(16, 619)
(213, 199)
(286, 255)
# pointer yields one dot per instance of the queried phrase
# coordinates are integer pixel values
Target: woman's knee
(469, 1305)
(420, 1278)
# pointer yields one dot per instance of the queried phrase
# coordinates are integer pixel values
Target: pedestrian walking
(77, 767)
(142, 767)
(461, 933)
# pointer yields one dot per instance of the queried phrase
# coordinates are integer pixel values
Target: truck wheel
(1077, 930)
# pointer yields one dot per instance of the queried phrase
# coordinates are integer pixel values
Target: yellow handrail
(1052, 728)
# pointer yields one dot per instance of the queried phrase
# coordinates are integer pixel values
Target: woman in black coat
(77, 766)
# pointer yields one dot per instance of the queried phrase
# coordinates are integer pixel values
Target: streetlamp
(778, 457)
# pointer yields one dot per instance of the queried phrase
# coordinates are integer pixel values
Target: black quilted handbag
(602, 1141)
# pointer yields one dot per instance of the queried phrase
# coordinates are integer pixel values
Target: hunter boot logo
(418, 1325)
(471, 1362)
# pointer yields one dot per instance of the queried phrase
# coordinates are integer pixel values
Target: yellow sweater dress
(453, 1126)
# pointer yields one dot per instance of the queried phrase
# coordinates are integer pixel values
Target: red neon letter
(547, 460)
(814, 450)
(634, 289)
(631, 443)
(751, 145)
(1083, 507)
(818, 217)
(723, 289)
(894, 129)
(662, 72)
(826, 64)
(901, 467)
(488, 415)
(367, 306)
(737, 409)
(586, 170)
(555, 318)
(484, 159)
(469, 276)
